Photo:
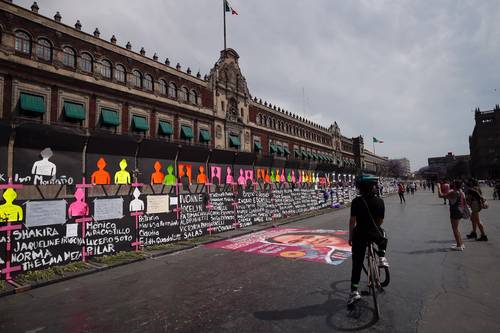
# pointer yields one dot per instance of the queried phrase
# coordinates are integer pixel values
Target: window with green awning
(280, 150)
(110, 117)
(257, 146)
(204, 135)
(304, 154)
(273, 149)
(315, 156)
(309, 155)
(186, 132)
(234, 141)
(74, 111)
(31, 103)
(297, 153)
(286, 151)
(166, 128)
(140, 123)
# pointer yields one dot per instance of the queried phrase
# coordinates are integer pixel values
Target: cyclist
(367, 215)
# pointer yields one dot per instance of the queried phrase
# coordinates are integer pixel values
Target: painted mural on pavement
(317, 245)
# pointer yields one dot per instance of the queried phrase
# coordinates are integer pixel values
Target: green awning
(287, 152)
(166, 128)
(315, 156)
(280, 150)
(257, 146)
(32, 103)
(234, 141)
(322, 157)
(74, 111)
(186, 132)
(204, 135)
(304, 154)
(110, 117)
(297, 153)
(140, 123)
(309, 155)
(273, 149)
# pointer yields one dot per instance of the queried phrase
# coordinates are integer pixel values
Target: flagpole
(224, 11)
(373, 147)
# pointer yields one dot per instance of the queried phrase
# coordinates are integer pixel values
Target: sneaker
(472, 235)
(382, 262)
(483, 238)
(454, 247)
(353, 298)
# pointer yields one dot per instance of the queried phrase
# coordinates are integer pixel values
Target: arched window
(259, 119)
(193, 97)
(120, 74)
(44, 50)
(137, 78)
(23, 42)
(69, 57)
(163, 87)
(268, 122)
(86, 63)
(172, 90)
(106, 69)
(183, 94)
(274, 123)
(148, 82)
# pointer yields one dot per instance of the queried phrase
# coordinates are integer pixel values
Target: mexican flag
(375, 140)
(228, 8)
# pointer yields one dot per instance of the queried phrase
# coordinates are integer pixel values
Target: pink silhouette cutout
(78, 207)
(282, 177)
(215, 173)
(229, 176)
(241, 178)
(293, 176)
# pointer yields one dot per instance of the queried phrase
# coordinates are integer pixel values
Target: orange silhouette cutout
(267, 179)
(101, 176)
(157, 176)
(201, 178)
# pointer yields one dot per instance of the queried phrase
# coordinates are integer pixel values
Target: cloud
(407, 72)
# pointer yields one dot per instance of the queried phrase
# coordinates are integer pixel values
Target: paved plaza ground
(214, 290)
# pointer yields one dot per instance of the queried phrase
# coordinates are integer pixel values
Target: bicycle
(378, 277)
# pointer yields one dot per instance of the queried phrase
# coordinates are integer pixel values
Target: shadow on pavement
(334, 309)
(429, 251)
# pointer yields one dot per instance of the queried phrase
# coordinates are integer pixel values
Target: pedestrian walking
(401, 192)
(474, 198)
(412, 188)
(456, 199)
(444, 187)
(432, 187)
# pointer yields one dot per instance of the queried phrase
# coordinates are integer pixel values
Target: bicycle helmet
(366, 179)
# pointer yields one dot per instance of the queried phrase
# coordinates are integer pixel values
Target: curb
(259, 227)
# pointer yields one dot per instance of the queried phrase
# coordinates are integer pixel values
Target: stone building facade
(484, 144)
(59, 76)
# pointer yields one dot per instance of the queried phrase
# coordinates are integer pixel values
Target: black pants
(359, 245)
(401, 197)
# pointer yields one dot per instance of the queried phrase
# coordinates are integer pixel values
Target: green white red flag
(228, 8)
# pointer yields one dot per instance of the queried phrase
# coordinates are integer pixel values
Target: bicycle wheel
(374, 283)
(384, 275)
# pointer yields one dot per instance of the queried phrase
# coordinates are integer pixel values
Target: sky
(409, 73)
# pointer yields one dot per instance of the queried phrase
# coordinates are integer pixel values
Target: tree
(395, 169)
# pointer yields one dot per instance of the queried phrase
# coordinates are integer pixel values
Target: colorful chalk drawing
(10, 212)
(100, 176)
(215, 173)
(157, 177)
(136, 205)
(202, 177)
(323, 246)
(170, 178)
(79, 207)
(122, 177)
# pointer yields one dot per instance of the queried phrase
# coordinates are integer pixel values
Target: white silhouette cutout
(136, 205)
(44, 167)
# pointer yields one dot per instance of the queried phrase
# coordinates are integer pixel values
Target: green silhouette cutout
(170, 177)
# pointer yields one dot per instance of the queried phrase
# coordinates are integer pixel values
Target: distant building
(484, 144)
(452, 166)
(405, 164)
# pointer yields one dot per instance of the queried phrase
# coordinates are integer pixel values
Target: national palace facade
(60, 86)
